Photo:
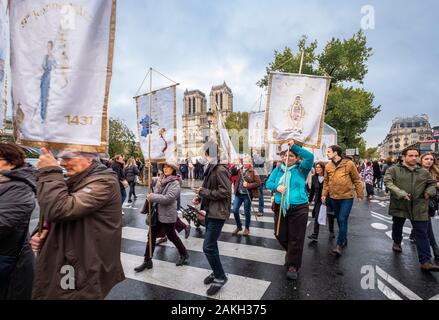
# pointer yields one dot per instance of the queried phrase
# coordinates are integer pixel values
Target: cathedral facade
(197, 126)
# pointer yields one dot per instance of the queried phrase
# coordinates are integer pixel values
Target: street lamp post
(209, 121)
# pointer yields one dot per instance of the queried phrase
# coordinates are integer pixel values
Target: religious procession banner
(329, 138)
(256, 125)
(296, 108)
(157, 122)
(228, 152)
(4, 62)
(61, 54)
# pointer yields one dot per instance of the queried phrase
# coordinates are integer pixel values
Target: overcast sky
(201, 43)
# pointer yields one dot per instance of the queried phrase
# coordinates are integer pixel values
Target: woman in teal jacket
(294, 215)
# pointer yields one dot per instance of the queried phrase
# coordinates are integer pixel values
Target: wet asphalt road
(323, 276)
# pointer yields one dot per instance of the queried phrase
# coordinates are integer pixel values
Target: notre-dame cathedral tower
(195, 121)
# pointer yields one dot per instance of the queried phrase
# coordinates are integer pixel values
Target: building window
(413, 130)
(221, 101)
(193, 105)
(216, 98)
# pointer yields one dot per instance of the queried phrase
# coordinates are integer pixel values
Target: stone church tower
(221, 97)
(195, 119)
(194, 122)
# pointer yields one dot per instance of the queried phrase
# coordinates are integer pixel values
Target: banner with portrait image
(256, 121)
(296, 108)
(158, 124)
(61, 54)
(4, 62)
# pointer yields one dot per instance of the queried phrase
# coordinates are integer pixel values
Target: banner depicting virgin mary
(61, 64)
(157, 123)
(296, 108)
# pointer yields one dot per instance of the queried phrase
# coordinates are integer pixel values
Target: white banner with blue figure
(61, 64)
(296, 108)
(4, 62)
(158, 124)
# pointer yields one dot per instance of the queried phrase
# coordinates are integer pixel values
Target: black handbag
(153, 213)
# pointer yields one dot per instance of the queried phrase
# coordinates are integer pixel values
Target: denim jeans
(342, 209)
(210, 246)
(421, 236)
(239, 199)
(123, 194)
(261, 196)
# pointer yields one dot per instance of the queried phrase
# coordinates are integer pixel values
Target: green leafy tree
(349, 109)
(238, 121)
(121, 139)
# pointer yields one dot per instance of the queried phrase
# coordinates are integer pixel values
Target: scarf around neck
(286, 197)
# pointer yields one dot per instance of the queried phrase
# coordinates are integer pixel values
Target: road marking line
(190, 279)
(377, 217)
(389, 293)
(234, 250)
(381, 215)
(436, 297)
(397, 285)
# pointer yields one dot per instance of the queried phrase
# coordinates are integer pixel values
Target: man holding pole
(291, 204)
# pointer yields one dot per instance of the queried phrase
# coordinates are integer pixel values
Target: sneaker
(182, 260)
(209, 279)
(313, 237)
(187, 231)
(216, 286)
(292, 273)
(130, 201)
(246, 232)
(147, 264)
(396, 248)
(235, 232)
(260, 214)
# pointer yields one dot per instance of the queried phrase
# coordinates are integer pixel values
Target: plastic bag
(322, 215)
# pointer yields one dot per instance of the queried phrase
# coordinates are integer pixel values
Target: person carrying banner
(341, 177)
(80, 240)
(291, 204)
(166, 195)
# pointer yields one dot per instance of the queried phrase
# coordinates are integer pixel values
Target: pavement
(367, 270)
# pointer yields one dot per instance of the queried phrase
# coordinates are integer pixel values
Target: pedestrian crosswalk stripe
(234, 250)
(253, 218)
(190, 279)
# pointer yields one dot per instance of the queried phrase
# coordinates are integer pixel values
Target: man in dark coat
(79, 248)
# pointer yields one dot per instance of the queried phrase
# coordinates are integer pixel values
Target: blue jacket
(299, 174)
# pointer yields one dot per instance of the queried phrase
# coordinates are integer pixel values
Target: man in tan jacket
(79, 248)
(341, 178)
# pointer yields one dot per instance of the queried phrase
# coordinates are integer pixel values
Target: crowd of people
(81, 197)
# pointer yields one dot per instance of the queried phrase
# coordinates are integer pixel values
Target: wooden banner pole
(283, 194)
(301, 61)
(149, 165)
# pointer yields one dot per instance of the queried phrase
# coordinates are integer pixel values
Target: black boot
(182, 260)
(436, 252)
(147, 264)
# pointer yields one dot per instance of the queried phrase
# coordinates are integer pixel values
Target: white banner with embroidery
(62, 55)
(296, 108)
(256, 127)
(158, 123)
